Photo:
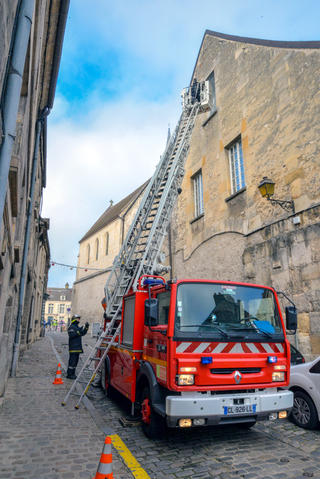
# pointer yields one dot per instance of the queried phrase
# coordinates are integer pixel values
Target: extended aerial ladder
(140, 253)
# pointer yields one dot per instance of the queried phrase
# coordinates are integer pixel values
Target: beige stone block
(206, 196)
(296, 188)
(315, 323)
(254, 223)
(243, 125)
(188, 174)
(249, 271)
(300, 254)
(315, 344)
(190, 210)
(310, 272)
(245, 143)
(302, 303)
(223, 187)
(292, 163)
(221, 146)
(297, 173)
(304, 322)
(302, 203)
(304, 345)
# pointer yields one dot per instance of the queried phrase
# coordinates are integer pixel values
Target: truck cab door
(155, 339)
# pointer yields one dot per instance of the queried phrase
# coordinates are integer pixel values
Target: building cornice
(298, 45)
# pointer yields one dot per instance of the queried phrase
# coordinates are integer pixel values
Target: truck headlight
(278, 376)
(185, 379)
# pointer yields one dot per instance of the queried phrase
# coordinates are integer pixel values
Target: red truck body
(203, 359)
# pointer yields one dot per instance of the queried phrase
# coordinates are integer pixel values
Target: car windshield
(226, 311)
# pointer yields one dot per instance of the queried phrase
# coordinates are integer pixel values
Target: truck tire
(153, 424)
(304, 413)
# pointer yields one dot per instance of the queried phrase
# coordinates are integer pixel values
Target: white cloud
(91, 161)
(141, 46)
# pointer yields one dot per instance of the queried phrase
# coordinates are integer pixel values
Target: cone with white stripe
(58, 378)
(104, 470)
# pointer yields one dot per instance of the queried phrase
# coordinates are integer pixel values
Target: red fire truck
(190, 352)
(200, 352)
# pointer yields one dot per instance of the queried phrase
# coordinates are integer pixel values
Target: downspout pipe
(12, 93)
(16, 344)
(41, 127)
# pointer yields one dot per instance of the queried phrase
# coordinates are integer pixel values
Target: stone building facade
(58, 306)
(31, 36)
(264, 122)
(97, 250)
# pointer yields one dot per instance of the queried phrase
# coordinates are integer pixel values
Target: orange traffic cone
(58, 378)
(104, 470)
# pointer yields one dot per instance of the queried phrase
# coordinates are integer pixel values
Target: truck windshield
(226, 311)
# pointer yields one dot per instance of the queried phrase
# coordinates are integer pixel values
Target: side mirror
(151, 312)
(291, 318)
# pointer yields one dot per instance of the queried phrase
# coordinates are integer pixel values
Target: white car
(305, 384)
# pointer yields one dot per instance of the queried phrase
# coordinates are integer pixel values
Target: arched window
(88, 254)
(107, 243)
(97, 248)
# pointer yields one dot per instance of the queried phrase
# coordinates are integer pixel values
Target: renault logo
(237, 377)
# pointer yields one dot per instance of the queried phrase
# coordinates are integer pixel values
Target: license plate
(241, 409)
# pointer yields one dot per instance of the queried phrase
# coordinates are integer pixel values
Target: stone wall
(37, 85)
(88, 289)
(267, 95)
(287, 257)
(87, 295)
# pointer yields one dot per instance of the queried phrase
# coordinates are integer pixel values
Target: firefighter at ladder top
(75, 344)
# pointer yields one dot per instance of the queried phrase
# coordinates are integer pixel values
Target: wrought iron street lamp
(266, 188)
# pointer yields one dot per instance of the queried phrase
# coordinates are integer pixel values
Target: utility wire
(55, 263)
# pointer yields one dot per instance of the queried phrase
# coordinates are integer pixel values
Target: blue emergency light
(206, 360)
(272, 359)
(152, 281)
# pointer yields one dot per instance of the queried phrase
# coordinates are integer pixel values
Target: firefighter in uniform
(75, 344)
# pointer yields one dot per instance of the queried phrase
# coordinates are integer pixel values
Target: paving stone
(36, 430)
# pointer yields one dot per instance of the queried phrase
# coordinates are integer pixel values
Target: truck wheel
(304, 413)
(152, 423)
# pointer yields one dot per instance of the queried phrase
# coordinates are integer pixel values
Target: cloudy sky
(124, 64)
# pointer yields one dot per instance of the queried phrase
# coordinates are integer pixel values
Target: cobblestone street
(39, 439)
(42, 440)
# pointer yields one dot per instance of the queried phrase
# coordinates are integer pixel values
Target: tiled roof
(267, 43)
(257, 41)
(114, 211)
(56, 293)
